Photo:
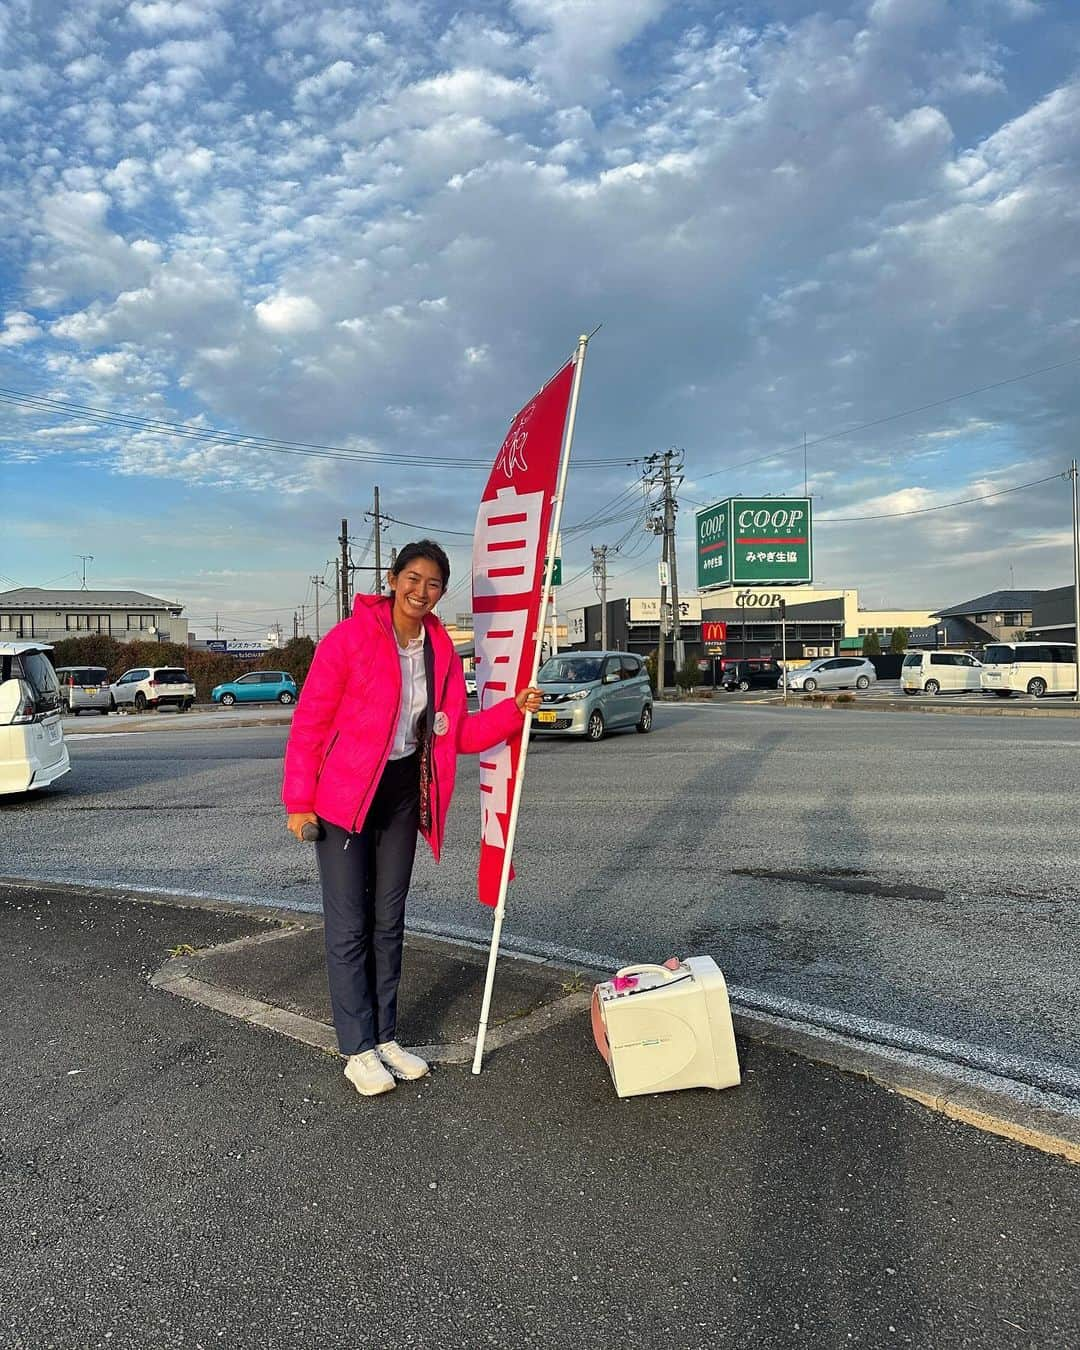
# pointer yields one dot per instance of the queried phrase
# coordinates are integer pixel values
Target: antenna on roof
(86, 557)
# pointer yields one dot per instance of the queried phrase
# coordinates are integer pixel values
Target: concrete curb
(115, 725)
(180, 976)
(1027, 1115)
(1037, 1119)
(908, 706)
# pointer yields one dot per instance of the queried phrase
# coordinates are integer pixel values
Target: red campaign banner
(509, 547)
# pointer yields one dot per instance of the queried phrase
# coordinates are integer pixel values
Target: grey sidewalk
(178, 1177)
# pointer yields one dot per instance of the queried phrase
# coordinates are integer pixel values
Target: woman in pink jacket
(370, 762)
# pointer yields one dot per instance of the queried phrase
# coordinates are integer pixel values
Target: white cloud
(289, 314)
(162, 16)
(19, 327)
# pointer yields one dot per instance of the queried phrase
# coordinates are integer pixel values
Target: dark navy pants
(365, 879)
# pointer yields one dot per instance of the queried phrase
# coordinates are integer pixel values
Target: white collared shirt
(413, 696)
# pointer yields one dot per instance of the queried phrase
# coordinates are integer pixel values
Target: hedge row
(205, 668)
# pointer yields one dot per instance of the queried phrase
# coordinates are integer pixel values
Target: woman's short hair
(423, 548)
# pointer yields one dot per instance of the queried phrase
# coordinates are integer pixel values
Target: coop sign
(747, 541)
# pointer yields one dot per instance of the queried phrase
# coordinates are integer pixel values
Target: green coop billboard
(766, 541)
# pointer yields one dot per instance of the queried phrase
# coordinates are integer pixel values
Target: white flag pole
(511, 831)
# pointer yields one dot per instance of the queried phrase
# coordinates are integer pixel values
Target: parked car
(939, 672)
(833, 672)
(752, 674)
(1035, 668)
(257, 686)
(32, 749)
(84, 688)
(154, 687)
(470, 683)
(588, 693)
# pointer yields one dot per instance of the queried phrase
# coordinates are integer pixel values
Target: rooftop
(35, 597)
(991, 603)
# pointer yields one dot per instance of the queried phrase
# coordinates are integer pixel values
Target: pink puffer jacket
(344, 723)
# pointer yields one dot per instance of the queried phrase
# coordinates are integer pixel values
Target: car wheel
(140, 702)
(744, 685)
(1036, 688)
(863, 682)
(1003, 693)
(285, 698)
(105, 711)
(911, 691)
(75, 711)
(644, 723)
(810, 685)
(595, 729)
(112, 704)
(227, 700)
(931, 687)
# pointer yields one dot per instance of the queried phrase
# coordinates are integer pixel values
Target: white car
(153, 687)
(834, 672)
(32, 749)
(940, 672)
(1035, 668)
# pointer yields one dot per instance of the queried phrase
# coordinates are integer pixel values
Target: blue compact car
(257, 686)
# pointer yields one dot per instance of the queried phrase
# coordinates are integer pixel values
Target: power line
(892, 417)
(43, 403)
(944, 506)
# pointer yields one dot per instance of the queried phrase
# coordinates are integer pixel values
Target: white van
(940, 672)
(32, 749)
(1035, 668)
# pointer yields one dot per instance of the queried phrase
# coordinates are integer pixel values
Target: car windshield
(999, 656)
(570, 670)
(816, 665)
(37, 671)
(913, 659)
(172, 677)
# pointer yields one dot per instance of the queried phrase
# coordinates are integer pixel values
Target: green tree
(871, 645)
(689, 676)
(650, 666)
(900, 639)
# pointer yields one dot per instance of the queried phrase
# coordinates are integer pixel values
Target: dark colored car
(760, 674)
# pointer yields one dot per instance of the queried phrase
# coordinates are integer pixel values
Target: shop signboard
(647, 610)
(575, 626)
(755, 541)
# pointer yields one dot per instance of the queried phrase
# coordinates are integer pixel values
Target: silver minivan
(589, 693)
(85, 689)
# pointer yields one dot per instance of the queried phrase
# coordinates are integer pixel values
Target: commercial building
(818, 622)
(128, 616)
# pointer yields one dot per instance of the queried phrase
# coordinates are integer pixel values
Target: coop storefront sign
(755, 541)
(758, 600)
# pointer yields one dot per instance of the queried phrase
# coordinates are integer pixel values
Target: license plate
(546, 717)
(54, 734)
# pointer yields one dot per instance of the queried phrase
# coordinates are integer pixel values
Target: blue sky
(380, 227)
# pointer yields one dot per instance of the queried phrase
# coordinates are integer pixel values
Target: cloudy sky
(379, 227)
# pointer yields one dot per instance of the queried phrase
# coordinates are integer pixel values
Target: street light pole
(1076, 575)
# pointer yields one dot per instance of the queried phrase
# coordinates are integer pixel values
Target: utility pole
(599, 571)
(378, 587)
(317, 582)
(665, 471)
(1073, 474)
(86, 557)
(337, 587)
(295, 625)
(345, 599)
(217, 625)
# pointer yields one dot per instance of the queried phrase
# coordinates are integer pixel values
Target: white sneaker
(402, 1063)
(367, 1075)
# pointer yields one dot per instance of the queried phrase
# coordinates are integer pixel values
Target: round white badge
(441, 725)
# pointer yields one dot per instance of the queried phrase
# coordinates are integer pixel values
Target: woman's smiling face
(417, 589)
